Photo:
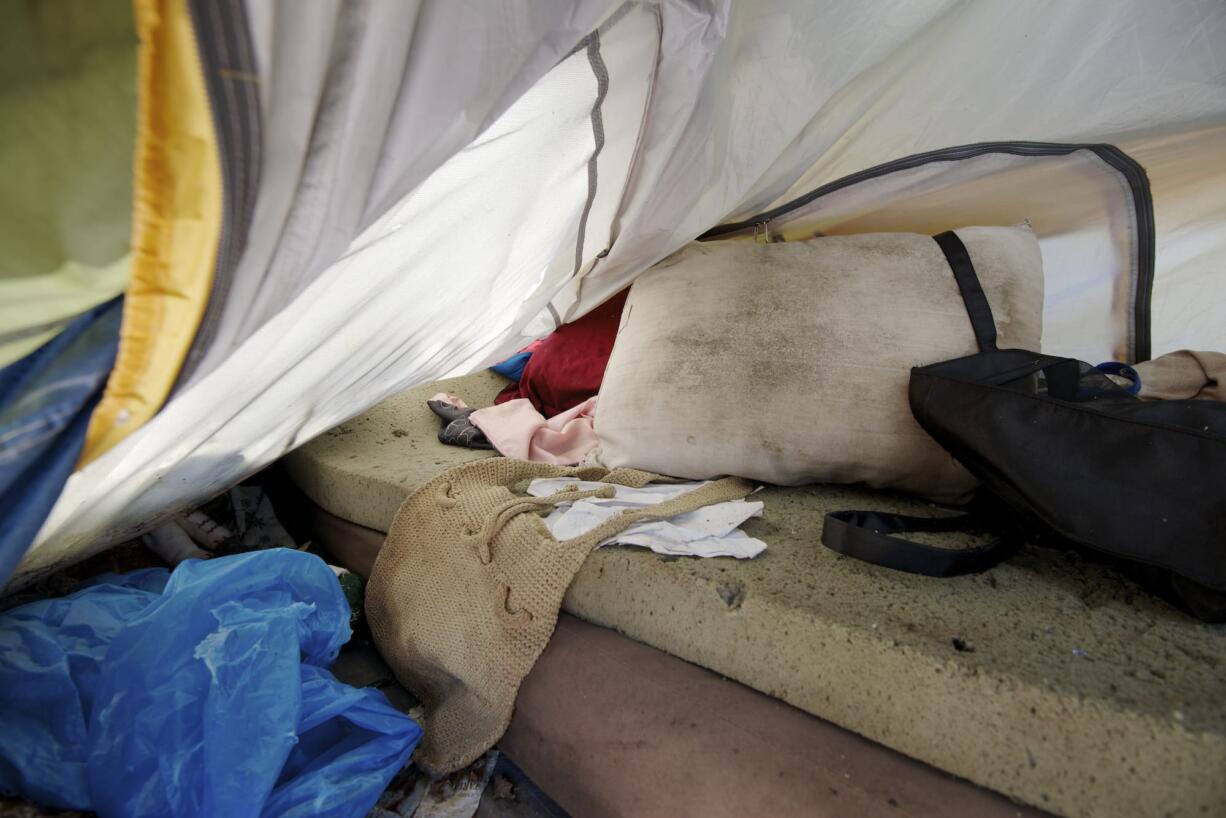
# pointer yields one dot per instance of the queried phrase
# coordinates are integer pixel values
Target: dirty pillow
(789, 362)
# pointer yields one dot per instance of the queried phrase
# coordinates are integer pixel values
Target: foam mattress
(1050, 678)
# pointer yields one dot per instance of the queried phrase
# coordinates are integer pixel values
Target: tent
(330, 202)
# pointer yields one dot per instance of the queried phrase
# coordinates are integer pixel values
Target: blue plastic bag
(199, 693)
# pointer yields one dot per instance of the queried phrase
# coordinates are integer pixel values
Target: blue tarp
(199, 693)
(45, 403)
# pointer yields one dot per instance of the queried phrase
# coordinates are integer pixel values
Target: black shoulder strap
(866, 534)
(977, 306)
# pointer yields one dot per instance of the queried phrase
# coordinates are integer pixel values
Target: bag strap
(977, 306)
(865, 536)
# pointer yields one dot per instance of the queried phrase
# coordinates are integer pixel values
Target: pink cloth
(517, 430)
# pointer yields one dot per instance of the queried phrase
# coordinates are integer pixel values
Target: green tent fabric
(67, 127)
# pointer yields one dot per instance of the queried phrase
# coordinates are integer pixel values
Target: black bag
(1067, 452)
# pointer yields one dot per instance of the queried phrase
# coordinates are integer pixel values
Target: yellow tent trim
(176, 225)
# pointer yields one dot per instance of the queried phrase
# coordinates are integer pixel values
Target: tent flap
(439, 181)
(177, 224)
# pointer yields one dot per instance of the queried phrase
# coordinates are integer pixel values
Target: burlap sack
(789, 362)
(465, 592)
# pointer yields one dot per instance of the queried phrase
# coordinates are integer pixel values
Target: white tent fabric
(360, 101)
(1187, 171)
(1084, 217)
(428, 172)
(777, 99)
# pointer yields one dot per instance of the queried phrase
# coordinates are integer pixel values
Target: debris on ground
(170, 542)
(354, 588)
(413, 795)
(511, 794)
(17, 808)
(125, 557)
(242, 521)
(257, 522)
(503, 789)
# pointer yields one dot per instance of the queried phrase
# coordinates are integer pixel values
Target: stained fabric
(788, 362)
(568, 367)
(45, 403)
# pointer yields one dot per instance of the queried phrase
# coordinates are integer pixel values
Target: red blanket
(568, 366)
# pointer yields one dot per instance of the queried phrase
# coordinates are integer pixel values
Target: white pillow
(789, 362)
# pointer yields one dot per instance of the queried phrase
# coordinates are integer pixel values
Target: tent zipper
(1132, 172)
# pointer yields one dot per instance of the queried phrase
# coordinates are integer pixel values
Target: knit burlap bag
(465, 593)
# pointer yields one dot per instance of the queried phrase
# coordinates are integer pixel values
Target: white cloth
(711, 531)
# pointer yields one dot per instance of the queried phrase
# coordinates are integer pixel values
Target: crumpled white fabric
(711, 531)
